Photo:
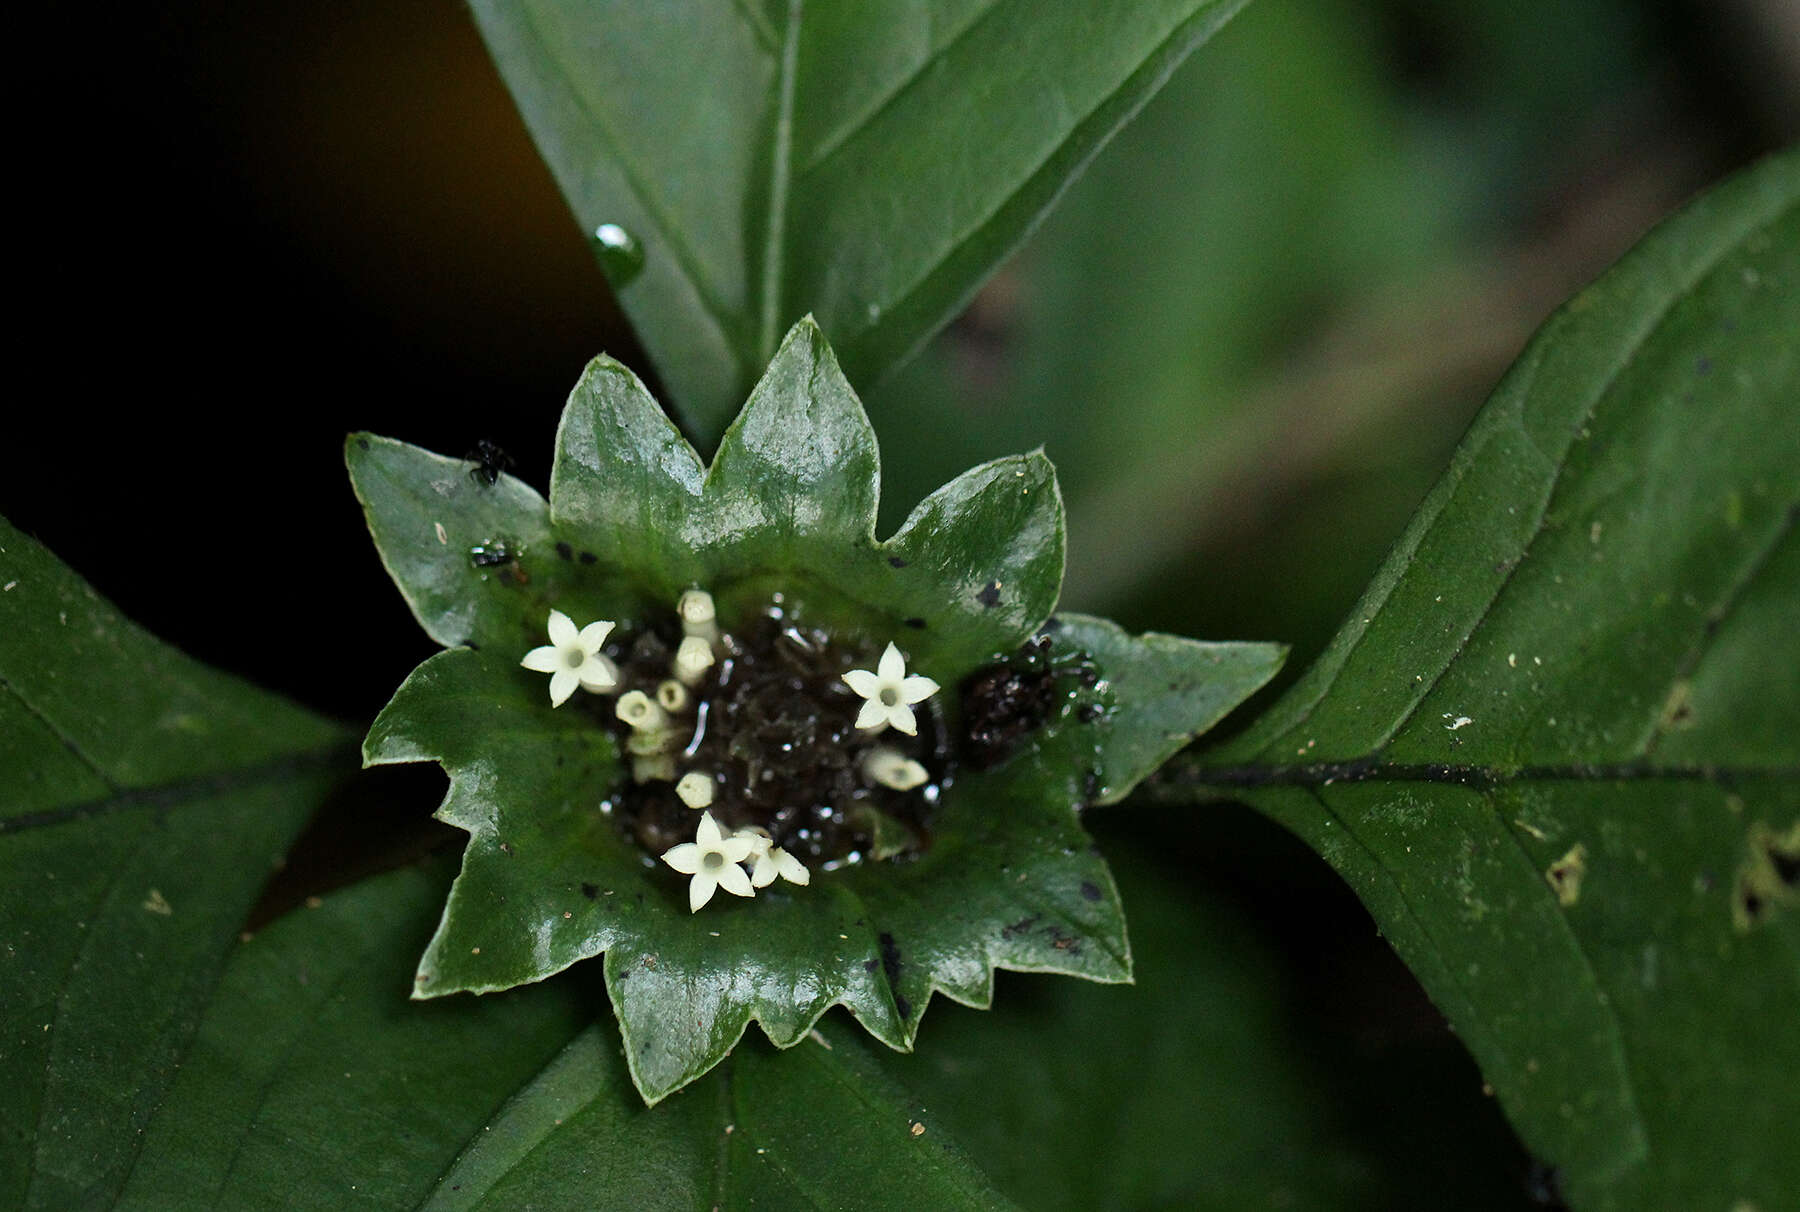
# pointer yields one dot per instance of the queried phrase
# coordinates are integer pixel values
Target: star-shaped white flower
(771, 860)
(712, 859)
(573, 658)
(890, 694)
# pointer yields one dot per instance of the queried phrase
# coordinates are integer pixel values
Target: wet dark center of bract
(773, 725)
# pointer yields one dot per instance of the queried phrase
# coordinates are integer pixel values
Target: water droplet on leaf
(621, 256)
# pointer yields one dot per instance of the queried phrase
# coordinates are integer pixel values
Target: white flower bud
(653, 767)
(891, 768)
(692, 660)
(698, 616)
(641, 712)
(695, 789)
(673, 697)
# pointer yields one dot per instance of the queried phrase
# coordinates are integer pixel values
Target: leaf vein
(683, 257)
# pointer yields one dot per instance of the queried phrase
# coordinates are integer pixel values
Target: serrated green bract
(1006, 877)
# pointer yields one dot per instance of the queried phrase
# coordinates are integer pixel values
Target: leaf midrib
(176, 793)
(1475, 776)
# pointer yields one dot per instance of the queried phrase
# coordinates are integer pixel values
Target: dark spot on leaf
(1703, 366)
(1090, 891)
(1769, 877)
(565, 551)
(903, 1007)
(989, 595)
(890, 964)
(1019, 927)
(1787, 867)
(588, 557)
(1088, 713)
(917, 624)
(590, 890)
(491, 555)
(363, 442)
(896, 562)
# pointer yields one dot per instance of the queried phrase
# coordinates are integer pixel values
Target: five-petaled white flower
(771, 860)
(712, 859)
(890, 694)
(573, 658)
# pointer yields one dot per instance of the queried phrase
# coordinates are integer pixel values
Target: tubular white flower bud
(698, 616)
(653, 740)
(692, 660)
(891, 768)
(653, 767)
(673, 697)
(641, 712)
(695, 789)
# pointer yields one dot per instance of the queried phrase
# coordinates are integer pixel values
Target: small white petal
(893, 665)
(685, 858)
(708, 834)
(562, 685)
(543, 660)
(594, 635)
(562, 629)
(735, 881)
(917, 688)
(873, 716)
(758, 837)
(700, 889)
(736, 848)
(901, 717)
(863, 682)
(763, 874)
(598, 674)
(791, 868)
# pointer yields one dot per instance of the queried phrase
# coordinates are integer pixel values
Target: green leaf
(784, 516)
(1555, 747)
(1164, 690)
(1202, 1086)
(148, 799)
(742, 165)
(315, 1083)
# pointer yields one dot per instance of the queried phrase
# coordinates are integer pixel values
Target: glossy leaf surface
(787, 506)
(869, 163)
(1555, 750)
(1205, 1085)
(147, 800)
(314, 1082)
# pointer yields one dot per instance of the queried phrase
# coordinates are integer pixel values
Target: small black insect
(490, 463)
